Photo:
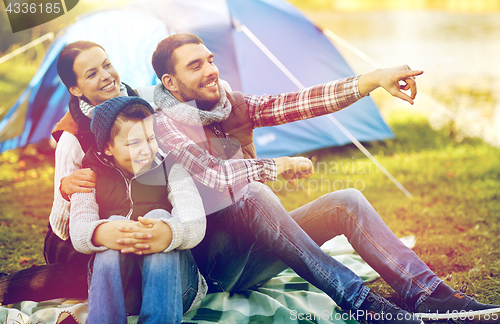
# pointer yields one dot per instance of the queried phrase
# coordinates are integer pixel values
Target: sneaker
(381, 311)
(458, 306)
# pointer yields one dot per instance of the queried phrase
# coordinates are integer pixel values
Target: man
(250, 236)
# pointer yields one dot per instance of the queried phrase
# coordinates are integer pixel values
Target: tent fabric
(46, 98)
(130, 35)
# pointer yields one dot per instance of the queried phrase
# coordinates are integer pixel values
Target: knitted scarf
(188, 115)
(88, 109)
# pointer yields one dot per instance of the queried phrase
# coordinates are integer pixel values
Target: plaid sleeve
(303, 104)
(212, 172)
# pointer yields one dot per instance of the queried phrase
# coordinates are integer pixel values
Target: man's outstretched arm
(271, 110)
(217, 173)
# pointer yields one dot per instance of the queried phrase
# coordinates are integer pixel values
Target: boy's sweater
(188, 221)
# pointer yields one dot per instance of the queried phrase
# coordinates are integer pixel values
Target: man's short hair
(163, 61)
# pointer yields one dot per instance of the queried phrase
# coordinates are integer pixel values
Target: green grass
(15, 76)
(26, 180)
(454, 214)
(26, 193)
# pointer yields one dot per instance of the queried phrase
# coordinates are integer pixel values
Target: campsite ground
(454, 213)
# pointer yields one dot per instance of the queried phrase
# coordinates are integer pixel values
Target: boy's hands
(161, 235)
(146, 236)
(109, 234)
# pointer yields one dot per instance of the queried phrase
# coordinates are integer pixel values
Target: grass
(454, 214)
(15, 75)
(26, 194)
(26, 180)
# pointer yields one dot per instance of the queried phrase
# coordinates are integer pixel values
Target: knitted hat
(105, 115)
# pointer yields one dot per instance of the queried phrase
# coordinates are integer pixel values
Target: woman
(85, 69)
(91, 81)
(87, 72)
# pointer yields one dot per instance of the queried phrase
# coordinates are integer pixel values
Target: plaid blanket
(287, 298)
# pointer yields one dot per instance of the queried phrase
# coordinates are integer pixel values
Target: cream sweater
(68, 156)
(188, 222)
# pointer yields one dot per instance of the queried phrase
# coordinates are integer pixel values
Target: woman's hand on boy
(81, 180)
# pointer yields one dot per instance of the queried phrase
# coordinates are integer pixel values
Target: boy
(131, 219)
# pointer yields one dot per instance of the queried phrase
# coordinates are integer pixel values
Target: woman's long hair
(67, 59)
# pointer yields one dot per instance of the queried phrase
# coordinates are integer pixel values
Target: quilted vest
(117, 195)
(229, 139)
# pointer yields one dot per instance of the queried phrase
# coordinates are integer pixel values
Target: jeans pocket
(188, 298)
(214, 286)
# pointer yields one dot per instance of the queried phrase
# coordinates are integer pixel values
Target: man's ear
(107, 151)
(169, 82)
(75, 91)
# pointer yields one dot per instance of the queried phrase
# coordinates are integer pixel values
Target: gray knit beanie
(105, 115)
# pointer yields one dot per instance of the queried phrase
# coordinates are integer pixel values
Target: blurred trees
(359, 5)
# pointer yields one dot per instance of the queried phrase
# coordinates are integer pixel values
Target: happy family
(159, 198)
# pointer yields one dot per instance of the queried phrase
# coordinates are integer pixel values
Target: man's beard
(188, 95)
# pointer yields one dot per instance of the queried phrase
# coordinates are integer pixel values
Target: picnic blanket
(287, 298)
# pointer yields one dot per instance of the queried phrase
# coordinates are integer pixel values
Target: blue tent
(285, 45)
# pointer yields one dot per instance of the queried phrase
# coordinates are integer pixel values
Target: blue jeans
(168, 283)
(255, 238)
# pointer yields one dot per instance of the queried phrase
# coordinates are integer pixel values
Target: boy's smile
(134, 147)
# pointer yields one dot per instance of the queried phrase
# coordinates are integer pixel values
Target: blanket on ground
(287, 298)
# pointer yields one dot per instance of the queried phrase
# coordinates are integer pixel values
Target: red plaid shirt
(264, 111)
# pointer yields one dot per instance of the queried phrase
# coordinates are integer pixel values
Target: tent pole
(48, 36)
(268, 53)
(356, 51)
(240, 27)
(369, 155)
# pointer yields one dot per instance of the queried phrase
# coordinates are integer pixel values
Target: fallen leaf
(24, 261)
